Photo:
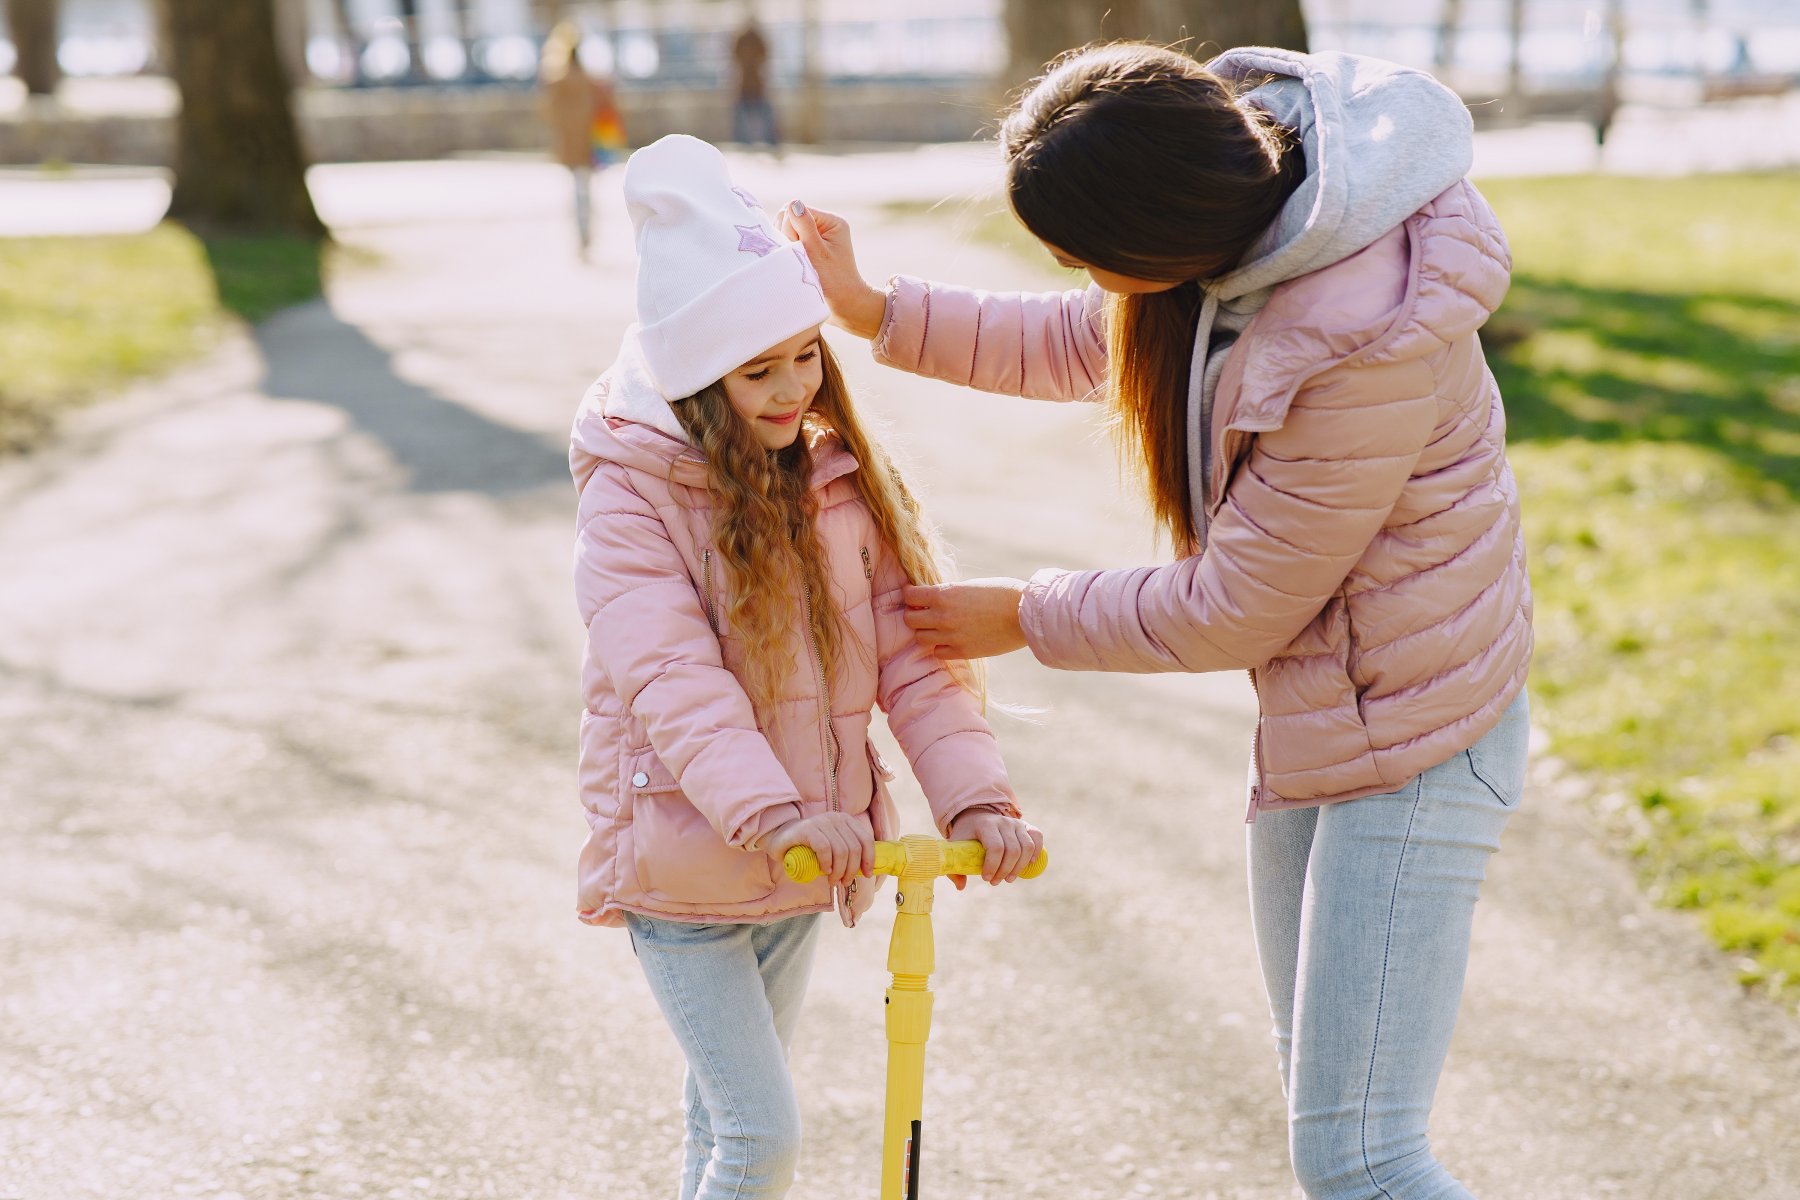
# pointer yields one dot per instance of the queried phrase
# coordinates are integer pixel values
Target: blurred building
(420, 78)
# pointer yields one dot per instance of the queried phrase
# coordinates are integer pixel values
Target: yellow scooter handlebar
(915, 856)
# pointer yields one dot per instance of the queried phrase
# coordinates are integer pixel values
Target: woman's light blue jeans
(1362, 912)
(731, 994)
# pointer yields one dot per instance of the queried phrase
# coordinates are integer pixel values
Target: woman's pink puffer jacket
(1364, 558)
(679, 784)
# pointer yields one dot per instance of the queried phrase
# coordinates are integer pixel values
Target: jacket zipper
(712, 616)
(828, 742)
(1228, 451)
(827, 736)
(1256, 742)
(868, 566)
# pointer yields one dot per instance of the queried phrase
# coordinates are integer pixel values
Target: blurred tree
(34, 37)
(1038, 30)
(1449, 24)
(352, 39)
(1517, 104)
(239, 164)
(464, 13)
(293, 27)
(415, 38)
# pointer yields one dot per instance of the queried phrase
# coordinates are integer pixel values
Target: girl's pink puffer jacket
(679, 784)
(1364, 559)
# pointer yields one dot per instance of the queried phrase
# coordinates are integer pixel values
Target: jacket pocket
(1499, 758)
(884, 818)
(678, 856)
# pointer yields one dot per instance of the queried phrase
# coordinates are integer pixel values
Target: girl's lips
(787, 420)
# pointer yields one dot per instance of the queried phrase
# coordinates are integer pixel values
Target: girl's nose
(792, 390)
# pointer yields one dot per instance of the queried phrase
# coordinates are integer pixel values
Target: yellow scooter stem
(917, 861)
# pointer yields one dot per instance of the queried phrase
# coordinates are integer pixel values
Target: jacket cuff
(750, 835)
(901, 341)
(1049, 625)
(1003, 806)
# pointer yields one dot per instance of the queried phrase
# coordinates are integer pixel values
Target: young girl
(743, 547)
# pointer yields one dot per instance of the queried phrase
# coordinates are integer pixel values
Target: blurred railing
(676, 44)
(687, 43)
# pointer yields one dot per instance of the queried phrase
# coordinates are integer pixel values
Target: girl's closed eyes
(763, 373)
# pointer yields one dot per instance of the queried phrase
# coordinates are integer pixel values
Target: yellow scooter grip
(959, 858)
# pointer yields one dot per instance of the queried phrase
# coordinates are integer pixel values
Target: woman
(1289, 271)
(583, 116)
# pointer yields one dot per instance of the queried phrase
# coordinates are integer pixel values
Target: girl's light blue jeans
(731, 994)
(1362, 912)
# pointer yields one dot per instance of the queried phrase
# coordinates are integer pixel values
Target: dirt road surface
(287, 678)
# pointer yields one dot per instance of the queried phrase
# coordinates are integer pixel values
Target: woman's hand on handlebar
(842, 843)
(1009, 844)
(854, 304)
(976, 619)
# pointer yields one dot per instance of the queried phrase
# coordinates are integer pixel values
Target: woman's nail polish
(797, 208)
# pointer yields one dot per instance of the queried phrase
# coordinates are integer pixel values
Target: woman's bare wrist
(865, 320)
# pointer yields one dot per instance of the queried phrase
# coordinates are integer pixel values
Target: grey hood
(1380, 140)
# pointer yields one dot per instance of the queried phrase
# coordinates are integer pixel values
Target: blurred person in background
(586, 131)
(752, 116)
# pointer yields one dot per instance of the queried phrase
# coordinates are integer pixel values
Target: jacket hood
(1380, 141)
(624, 418)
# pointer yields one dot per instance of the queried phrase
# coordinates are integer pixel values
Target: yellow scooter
(916, 861)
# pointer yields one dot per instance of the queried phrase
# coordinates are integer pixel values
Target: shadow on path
(1717, 370)
(313, 354)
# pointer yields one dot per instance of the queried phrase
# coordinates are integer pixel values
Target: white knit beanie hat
(717, 283)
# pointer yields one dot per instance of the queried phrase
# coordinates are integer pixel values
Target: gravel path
(287, 670)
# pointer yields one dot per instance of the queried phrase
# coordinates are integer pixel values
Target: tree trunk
(1449, 24)
(811, 125)
(346, 23)
(1517, 106)
(239, 164)
(415, 37)
(350, 40)
(34, 37)
(292, 32)
(463, 17)
(1038, 30)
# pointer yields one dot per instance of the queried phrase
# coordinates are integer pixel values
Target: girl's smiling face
(772, 391)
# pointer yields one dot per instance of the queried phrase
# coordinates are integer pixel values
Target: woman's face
(772, 391)
(1124, 285)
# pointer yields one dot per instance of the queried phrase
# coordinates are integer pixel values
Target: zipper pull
(868, 566)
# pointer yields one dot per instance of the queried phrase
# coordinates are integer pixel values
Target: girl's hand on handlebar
(842, 843)
(1011, 844)
(854, 304)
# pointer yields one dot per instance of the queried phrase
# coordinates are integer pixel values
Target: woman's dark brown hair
(1136, 159)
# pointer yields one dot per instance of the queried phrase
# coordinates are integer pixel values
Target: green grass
(1649, 353)
(1651, 368)
(81, 316)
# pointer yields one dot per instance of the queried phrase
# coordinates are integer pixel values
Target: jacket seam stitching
(975, 348)
(925, 322)
(1381, 995)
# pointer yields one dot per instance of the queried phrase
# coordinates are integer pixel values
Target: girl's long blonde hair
(765, 529)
